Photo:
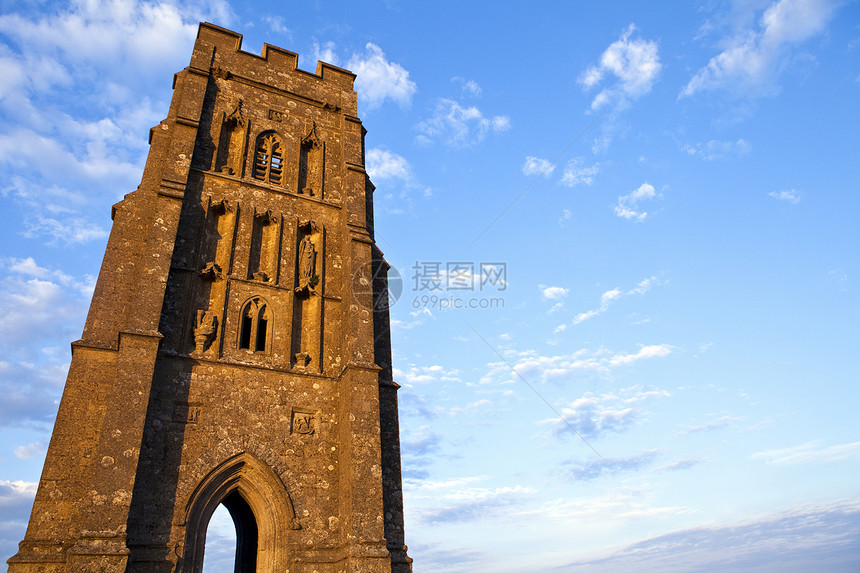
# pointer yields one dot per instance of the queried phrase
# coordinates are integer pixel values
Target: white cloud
(325, 53)
(143, 37)
(35, 302)
(809, 453)
(537, 166)
(554, 293)
(378, 79)
(575, 172)
(30, 450)
(382, 164)
(593, 414)
(276, 24)
(719, 150)
(754, 58)
(425, 375)
(628, 205)
(459, 126)
(645, 352)
(635, 65)
(804, 538)
(565, 367)
(469, 87)
(566, 215)
(40, 311)
(788, 195)
(612, 295)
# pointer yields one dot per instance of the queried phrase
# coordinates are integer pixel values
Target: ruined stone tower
(237, 348)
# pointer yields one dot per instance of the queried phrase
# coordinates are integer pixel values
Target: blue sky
(628, 241)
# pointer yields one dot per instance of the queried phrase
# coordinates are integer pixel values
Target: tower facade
(237, 348)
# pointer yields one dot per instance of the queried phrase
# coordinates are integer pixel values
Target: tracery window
(254, 326)
(269, 158)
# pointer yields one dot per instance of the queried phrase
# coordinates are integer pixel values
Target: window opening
(254, 326)
(269, 159)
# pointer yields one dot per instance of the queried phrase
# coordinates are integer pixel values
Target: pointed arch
(255, 326)
(260, 507)
(269, 158)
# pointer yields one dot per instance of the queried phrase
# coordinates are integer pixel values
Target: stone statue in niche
(204, 331)
(307, 277)
(311, 164)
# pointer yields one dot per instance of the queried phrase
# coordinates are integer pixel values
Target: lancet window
(254, 326)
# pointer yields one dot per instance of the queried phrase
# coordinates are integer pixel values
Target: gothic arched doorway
(261, 510)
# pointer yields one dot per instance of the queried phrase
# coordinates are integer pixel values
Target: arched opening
(254, 326)
(269, 158)
(236, 531)
(259, 506)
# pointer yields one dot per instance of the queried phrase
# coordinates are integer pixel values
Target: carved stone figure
(204, 332)
(307, 264)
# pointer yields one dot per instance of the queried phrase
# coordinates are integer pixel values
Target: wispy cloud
(462, 500)
(634, 64)
(628, 205)
(594, 468)
(715, 424)
(326, 52)
(613, 295)
(809, 453)
(538, 166)
(576, 172)
(595, 414)
(755, 57)
(458, 125)
(395, 180)
(811, 538)
(715, 150)
(788, 195)
(558, 368)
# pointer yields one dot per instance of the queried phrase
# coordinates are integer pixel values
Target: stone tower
(237, 349)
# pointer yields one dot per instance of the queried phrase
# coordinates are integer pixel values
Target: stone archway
(260, 507)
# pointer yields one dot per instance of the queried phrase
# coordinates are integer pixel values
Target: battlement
(219, 48)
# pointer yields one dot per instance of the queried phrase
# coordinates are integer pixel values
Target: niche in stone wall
(307, 334)
(311, 164)
(264, 253)
(218, 234)
(215, 260)
(231, 143)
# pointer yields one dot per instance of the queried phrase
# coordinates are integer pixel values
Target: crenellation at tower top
(275, 69)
